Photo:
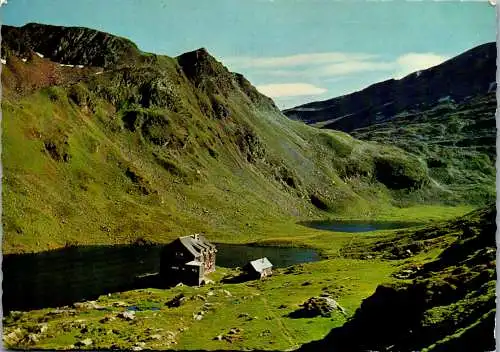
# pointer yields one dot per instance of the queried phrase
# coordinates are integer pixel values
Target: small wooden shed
(259, 268)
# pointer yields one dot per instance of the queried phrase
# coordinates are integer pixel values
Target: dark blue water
(65, 276)
(236, 255)
(358, 226)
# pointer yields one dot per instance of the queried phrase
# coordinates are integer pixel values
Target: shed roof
(194, 263)
(261, 264)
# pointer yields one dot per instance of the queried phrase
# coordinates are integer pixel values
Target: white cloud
(278, 90)
(412, 62)
(295, 60)
(3, 2)
(349, 67)
(309, 73)
(333, 64)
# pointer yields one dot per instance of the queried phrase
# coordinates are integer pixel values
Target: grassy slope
(157, 150)
(259, 309)
(454, 286)
(446, 303)
(456, 141)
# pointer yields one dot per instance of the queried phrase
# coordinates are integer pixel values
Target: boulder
(85, 342)
(176, 301)
(107, 319)
(13, 337)
(227, 293)
(127, 315)
(319, 306)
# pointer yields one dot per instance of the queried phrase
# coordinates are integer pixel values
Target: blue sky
(295, 51)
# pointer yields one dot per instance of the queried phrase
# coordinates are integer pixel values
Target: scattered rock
(88, 305)
(41, 328)
(234, 331)
(180, 284)
(198, 316)
(176, 301)
(210, 293)
(78, 324)
(307, 283)
(120, 304)
(13, 337)
(136, 348)
(233, 335)
(227, 293)
(127, 315)
(155, 337)
(85, 342)
(265, 333)
(59, 311)
(171, 334)
(282, 306)
(209, 282)
(31, 339)
(107, 319)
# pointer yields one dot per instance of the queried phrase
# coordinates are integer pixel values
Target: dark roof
(261, 264)
(196, 244)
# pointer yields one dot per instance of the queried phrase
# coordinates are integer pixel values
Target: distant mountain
(457, 80)
(444, 115)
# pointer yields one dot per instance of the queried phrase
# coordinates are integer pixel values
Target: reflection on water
(234, 255)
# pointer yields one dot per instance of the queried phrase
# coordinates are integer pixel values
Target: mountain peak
(69, 45)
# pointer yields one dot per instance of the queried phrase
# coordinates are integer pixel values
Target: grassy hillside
(445, 304)
(456, 141)
(440, 296)
(159, 147)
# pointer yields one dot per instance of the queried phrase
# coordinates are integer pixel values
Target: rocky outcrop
(68, 45)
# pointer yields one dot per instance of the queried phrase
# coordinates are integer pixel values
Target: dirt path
(285, 332)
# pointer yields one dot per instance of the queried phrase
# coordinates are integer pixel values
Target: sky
(295, 51)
